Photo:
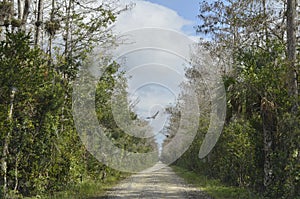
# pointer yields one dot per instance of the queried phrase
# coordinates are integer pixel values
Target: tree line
(43, 44)
(256, 46)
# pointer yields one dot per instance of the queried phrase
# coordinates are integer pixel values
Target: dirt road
(163, 183)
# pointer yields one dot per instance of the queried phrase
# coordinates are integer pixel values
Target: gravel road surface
(163, 183)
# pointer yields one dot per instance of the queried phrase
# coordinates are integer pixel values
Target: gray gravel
(163, 183)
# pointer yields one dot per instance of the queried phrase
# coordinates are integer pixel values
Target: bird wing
(154, 116)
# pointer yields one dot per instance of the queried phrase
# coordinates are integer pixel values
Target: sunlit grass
(214, 188)
(85, 190)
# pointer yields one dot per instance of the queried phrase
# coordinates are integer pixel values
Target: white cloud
(152, 97)
(155, 73)
(147, 14)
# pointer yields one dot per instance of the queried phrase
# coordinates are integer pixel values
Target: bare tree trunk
(291, 53)
(25, 13)
(292, 75)
(265, 23)
(4, 164)
(68, 28)
(5, 151)
(20, 13)
(17, 172)
(269, 129)
(11, 15)
(39, 21)
(49, 51)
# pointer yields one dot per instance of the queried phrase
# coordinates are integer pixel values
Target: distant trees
(257, 50)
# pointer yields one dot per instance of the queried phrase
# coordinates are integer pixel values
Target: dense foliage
(259, 148)
(41, 152)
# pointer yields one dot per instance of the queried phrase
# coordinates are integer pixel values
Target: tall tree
(256, 42)
(39, 21)
(7, 141)
(291, 53)
(40, 147)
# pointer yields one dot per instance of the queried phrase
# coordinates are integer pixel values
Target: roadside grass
(212, 187)
(85, 190)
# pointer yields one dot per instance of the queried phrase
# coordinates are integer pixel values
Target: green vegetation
(258, 149)
(41, 151)
(43, 45)
(84, 190)
(214, 187)
(45, 152)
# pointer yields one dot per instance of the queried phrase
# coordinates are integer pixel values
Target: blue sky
(177, 13)
(156, 74)
(187, 9)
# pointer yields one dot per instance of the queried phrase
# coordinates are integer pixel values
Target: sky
(174, 14)
(186, 9)
(154, 75)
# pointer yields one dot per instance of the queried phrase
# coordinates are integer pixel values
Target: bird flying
(153, 116)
